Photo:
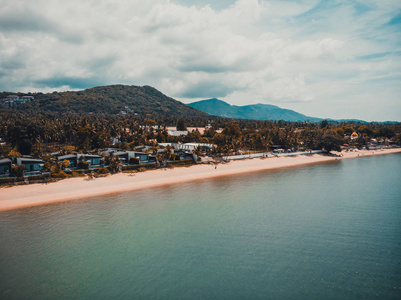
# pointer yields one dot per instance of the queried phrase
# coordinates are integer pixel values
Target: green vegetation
(252, 112)
(181, 125)
(259, 111)
(111, 99)
(39, 134)
(134, 161)
(83, 165)
(60, 122)
(19, 170)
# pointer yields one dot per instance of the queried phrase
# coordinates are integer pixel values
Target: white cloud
(289, 53)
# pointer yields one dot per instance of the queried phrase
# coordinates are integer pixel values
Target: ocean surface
(323, 231)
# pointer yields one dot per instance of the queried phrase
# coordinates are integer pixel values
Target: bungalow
(194, 146)
(32, 166)
(184, 154)
(5, 167)
(123, 155)
(95, 161)
(72, 158)
(174, 145)
(142, 148)
(188, 146)
(143, 157)
(107, 151)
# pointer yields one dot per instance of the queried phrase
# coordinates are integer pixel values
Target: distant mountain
(253, 112)
(111, 100)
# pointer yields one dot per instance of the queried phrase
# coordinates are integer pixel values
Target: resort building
(95, 161)
(187, 146)
(32, 166)
(5, 167)
(72, 158)
(126, 155)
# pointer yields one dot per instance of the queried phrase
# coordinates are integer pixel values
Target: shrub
(77, 174)
(65, 163)
(175, 157)
(83, 165)
(102, 171)
(134, 161)
(59, 174)
(19, 170)
(55, 168)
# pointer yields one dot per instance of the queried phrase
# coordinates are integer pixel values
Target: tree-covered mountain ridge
(259, 111)
(252, 112)
(111, 99)
(147, 101)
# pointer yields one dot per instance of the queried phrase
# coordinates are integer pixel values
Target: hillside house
(14, 100)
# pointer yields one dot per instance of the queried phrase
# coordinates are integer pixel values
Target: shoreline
(78, 188)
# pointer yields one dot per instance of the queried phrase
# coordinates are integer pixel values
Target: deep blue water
(325, 231)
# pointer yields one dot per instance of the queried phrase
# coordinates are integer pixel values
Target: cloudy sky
(328, 58)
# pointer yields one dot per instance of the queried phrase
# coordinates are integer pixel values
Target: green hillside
(111, 100)
(253, 112)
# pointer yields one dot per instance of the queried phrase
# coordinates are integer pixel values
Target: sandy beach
(77, 188)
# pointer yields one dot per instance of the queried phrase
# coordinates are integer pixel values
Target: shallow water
(325, 231)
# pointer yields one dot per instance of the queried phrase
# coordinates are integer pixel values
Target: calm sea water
(327, 231)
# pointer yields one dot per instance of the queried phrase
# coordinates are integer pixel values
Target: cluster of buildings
(32, 166)
(12, 101)
(141, 155)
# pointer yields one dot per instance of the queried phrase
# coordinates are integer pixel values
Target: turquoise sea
(324, 231)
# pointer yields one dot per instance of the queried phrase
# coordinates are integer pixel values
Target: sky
(330, 58)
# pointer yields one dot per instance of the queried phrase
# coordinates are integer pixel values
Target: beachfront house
(72, 158)
(188, 146)
(32, 166)
(184, 154)
(144, 157)
(194, 146)
(95, 161)
(124, 156)
(5, 167)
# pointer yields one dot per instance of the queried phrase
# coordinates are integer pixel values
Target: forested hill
(252, 112)
(111, 100)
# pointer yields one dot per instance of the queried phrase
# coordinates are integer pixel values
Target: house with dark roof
(123, 155)
(72, 158)
(32, 166)
(126, 155)
(95, 161)
(5, 167)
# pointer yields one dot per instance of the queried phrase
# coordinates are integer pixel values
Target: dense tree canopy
(40, 133)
